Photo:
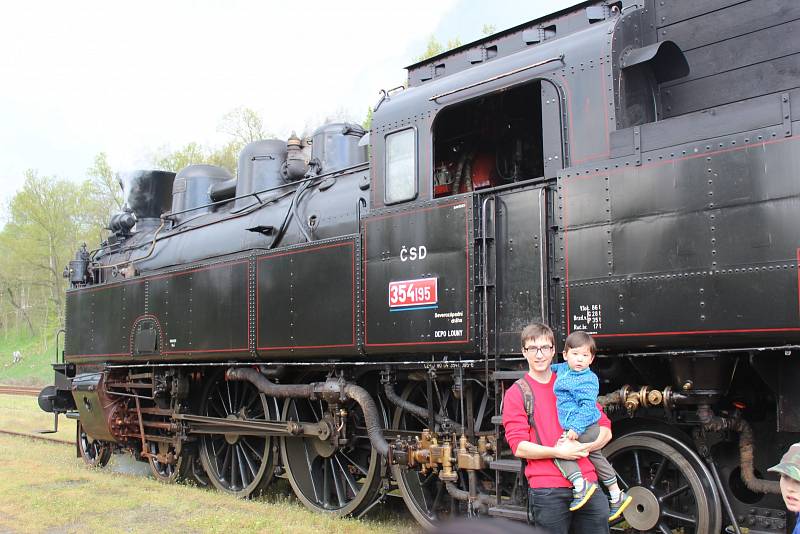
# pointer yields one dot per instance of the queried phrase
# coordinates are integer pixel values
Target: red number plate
(413, 293)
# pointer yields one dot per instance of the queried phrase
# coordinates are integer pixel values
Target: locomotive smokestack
(148, 193)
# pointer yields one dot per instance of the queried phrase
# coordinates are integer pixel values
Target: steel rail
(35, 437)
(27, 391)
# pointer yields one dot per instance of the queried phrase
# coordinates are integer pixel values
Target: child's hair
(537, 330)
(579, 339)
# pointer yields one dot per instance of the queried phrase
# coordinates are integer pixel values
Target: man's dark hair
(537, 330)
(579, 339)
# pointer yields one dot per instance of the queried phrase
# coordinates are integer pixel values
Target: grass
(22, 414)
(38, 353)
(45, 488)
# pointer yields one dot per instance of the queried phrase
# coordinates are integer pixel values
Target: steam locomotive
(346, 311)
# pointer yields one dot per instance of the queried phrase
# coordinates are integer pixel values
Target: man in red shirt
(549, 493)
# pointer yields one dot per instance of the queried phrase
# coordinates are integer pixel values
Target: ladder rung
(509, 511)
(508, 375)
(510, 466)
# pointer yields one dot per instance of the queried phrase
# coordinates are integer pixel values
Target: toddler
(576, 389)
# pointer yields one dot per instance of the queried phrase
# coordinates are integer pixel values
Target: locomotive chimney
(148, 194)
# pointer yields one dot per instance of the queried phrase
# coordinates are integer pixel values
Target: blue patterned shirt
(576, 397)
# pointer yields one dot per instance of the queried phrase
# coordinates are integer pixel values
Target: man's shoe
(579, 498)
(618, 506)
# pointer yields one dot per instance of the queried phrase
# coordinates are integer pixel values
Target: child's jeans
(605, 473)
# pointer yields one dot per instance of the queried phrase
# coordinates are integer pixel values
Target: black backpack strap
(528, 400)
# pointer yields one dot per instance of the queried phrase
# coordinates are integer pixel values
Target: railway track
(20, 390)
(36, 437)
(28, 391)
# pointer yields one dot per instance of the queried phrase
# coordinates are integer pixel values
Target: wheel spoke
(423, 422)
(337, 484)
(225, 409)
(234, 467)
(622, 482)
(355, 464)
(638, 467)
(222, 470)
(347, 477)
(438, 497)
(249, 403)
(230, 401)
(238, 395)
(659, 472)
(664, 529)
(325, 485)
(244, 439)
(241, 464)
(250, 466)
(673, 493)
(310, 405)
(683, 518)
(216, 407)
(310, 471)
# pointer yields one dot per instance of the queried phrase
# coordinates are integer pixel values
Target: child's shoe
(579, 498)
(618, 506)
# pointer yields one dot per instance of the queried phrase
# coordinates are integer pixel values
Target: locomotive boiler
(346, 311)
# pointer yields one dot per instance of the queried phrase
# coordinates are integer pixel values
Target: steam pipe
(134, 260)
(222, 191)
(716, 423)
(418, 410)
(347, 390)
(271, 389)
(362, 397)
(746, 455)
(473, 495)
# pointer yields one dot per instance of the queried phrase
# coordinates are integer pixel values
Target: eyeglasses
(544, 349)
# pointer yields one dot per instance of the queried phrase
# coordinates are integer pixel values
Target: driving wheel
(672, 489)
(241, 465)
(337, 479)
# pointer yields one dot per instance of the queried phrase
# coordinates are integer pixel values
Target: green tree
(48, 219)
(175, 160)
(367, 123)
(244, 125)
(106, 195)
(434, 48)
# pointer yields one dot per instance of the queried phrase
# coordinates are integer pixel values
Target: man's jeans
(548, 508)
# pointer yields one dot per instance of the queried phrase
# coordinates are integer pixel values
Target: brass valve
(645, 397)
(426, 453)
(447, 474)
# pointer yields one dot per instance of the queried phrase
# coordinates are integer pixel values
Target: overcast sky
(125, 78)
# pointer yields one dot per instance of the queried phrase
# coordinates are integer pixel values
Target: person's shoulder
(513, 393)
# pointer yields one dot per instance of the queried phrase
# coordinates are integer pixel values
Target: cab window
(401, 165)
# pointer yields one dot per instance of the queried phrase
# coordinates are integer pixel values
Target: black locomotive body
(351, 322)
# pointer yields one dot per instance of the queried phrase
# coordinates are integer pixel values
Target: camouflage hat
(790, 463)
